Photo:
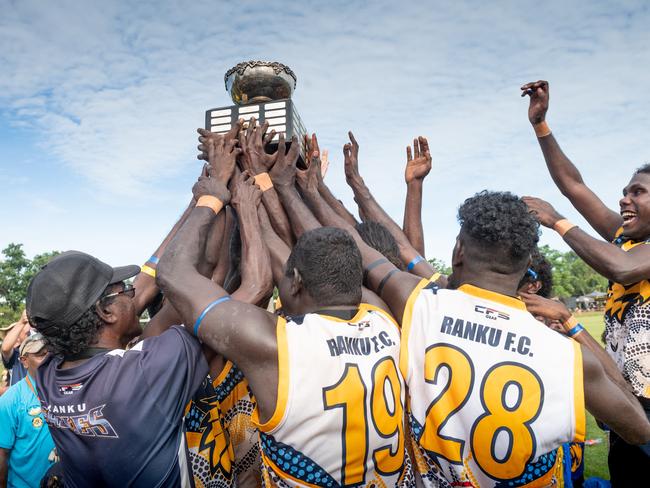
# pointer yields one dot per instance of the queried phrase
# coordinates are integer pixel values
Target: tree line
(571, 276)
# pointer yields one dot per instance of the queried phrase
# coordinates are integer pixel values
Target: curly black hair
(499, 222)
(329, 262)
(68, 340)
(544, 272)
(643, 169)
(379, 238)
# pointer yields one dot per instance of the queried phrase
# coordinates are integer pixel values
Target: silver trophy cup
(262, 90)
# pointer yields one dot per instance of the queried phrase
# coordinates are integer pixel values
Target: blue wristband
(575, 330)
(415, 261)
(153, 259)
(197, 324)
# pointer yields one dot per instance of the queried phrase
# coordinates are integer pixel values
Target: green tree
(12, 281)
(571, 275)
(440, 266)
(16, 271)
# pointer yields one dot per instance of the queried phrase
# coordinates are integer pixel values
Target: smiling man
(624, 260)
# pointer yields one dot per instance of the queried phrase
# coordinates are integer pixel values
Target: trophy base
(281, 115)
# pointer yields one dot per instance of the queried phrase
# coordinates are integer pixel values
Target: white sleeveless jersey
(339, 420)
(492, 392)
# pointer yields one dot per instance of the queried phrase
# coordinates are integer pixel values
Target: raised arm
(417, 168)
(283, 175)
(241, 332)
(255, 159)
(565, 175)
(256, 280)
(607, 259)
(10, 340)
(373, 211)
(611, 404)
(277, 248)
(313, 149)
(145, 282)
(382, 278)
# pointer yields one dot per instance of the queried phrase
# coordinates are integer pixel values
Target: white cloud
(116, 89)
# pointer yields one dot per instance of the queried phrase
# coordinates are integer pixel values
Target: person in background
(623, 257)
(17, 333)
(26, 447)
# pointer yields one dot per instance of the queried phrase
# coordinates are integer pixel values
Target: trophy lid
(259, 81)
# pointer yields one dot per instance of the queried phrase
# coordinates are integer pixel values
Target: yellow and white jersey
(339, 419)
(492, 392)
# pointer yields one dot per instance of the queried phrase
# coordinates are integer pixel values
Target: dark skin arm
(283, 175)
(4, 467)
(255, 160)
(223, 262)
(398, 286)
(417, 168)
(278, 250)
(373, 211)
(256, 281)
(612, 405)
(313, 149)
(308, 181)
(10, 340)
(243, 333)
(145, 285)
(564, 173)
(613, 263)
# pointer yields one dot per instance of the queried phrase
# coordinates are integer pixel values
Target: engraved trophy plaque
(262, 90)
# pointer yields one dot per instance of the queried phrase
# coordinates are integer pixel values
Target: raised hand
(419, 166)
(211, 186)
(309, 179)
(538, 93)
(245, 192)
(283, 172)
(543, 211)
(351, 158)
(222, 156)
(253, 140)
(544, 307)
(206, 135)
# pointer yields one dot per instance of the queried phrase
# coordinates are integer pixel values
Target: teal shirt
(24, 433)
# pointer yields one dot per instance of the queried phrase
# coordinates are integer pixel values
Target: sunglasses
(127, 290)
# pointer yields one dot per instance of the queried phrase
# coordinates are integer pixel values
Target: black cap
(66, 287)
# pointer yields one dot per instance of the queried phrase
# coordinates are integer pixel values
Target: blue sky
(99, 103)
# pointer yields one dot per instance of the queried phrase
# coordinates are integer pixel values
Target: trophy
(262, 90)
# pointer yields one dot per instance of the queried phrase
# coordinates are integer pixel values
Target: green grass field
(596, 455)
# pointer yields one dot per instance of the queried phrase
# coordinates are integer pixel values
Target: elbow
(621, 274)
(164, 272)
(638, 437)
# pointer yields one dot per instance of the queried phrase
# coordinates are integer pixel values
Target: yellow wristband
(434, 277)
(263, 181)
(148, 270)
(563, 226)
(541, 129)
(211, 202)
(569, 323)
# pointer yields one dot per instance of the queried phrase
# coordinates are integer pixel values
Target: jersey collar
(492, 296)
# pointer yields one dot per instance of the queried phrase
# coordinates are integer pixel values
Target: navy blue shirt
(116, 419)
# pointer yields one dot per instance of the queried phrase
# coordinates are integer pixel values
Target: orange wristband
(570, 323)
(541, 129)
(563, 226)
(211, 202)
(263, 181)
